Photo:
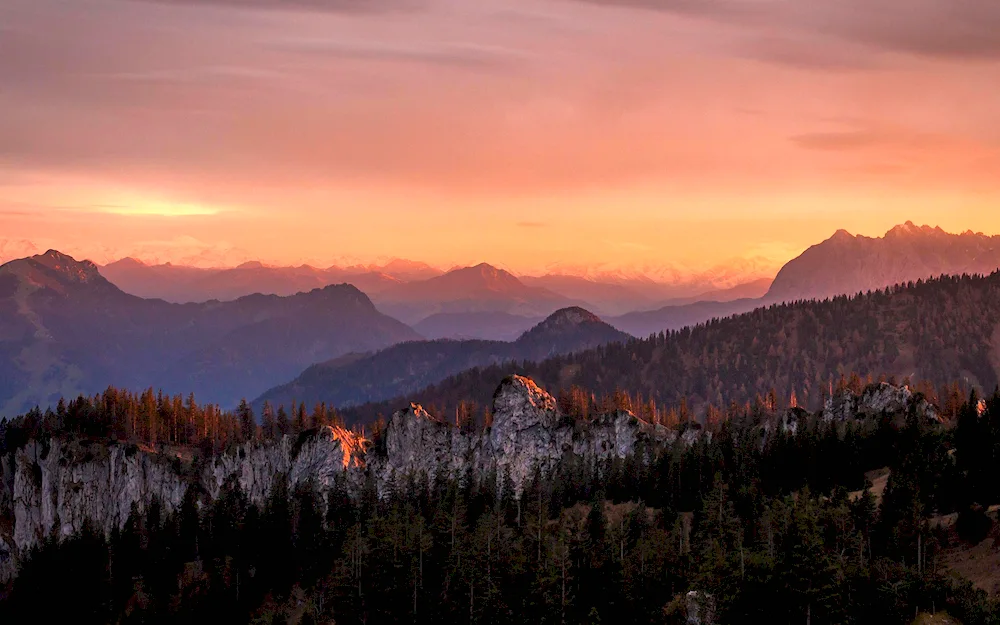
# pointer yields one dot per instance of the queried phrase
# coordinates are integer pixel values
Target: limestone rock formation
(61, 486)
(527, 435)
(417, 443)
(328, 457)
(525, 431)
(56, 487)
(700, 608)
(876, 400)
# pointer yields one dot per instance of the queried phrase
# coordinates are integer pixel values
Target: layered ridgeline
(408, 367)
(182, 284)
(844, 264)
(57, 484)
(483, 288)
(940, 331)
(65, 330)
(849, 264)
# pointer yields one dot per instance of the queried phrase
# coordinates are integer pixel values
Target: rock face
(417, 443)
(525, 431)
(876, 400)
(527, 434)
(700, 608)
(59, 487)
(328, 457)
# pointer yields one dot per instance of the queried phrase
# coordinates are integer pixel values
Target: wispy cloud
(934, 28)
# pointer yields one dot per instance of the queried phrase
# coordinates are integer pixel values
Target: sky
(527, 133)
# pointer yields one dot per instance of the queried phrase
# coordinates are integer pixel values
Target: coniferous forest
(936, 331)
(761, 533)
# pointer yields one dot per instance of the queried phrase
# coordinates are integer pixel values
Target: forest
(938, 331)
(764, 533)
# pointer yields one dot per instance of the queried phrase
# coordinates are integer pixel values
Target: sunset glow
(526, 133)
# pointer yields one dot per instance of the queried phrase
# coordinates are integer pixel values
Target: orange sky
(518, 132)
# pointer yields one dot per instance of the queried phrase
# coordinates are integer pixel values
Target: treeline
(156, 419)
(930, 331)
(768, 531)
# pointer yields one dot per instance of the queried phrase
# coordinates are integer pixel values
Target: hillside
(848, 264)
(490, 326)
(65, 330)
(677, 316)
(410, 366)
(942, 330)
(543, 516)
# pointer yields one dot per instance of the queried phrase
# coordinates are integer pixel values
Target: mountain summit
(478, 289)
(568, 330)
(848, 264)
(57, 271)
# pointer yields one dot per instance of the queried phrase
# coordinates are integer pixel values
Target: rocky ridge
(57, 487)
(876, 400)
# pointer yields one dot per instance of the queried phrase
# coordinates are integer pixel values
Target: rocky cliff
(876, 400)
(57, 487)
(527, 433)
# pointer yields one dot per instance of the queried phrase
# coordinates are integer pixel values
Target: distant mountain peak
(909, 229)
(58, 272)
(573, 321)
(906, 253)
(481, 274)
(251, 264)
(570, 316)
(487, 269)
(128, 261)
(69, 267)
(842, 235)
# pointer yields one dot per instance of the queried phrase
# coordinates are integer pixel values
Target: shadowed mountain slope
(410, 366)
(941, 330)
(65, 330)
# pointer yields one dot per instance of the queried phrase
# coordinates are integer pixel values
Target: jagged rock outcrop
(329, 456)
(417, 443)
(876, 400)
(55, 488)
(700, 608)
(61, 486)
(527, 435)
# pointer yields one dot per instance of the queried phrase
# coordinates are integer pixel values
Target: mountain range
(410, 366)
(844, 264)
(181, 284)
(65, 330)
(940, 331)
(617, 294)
(849, 264)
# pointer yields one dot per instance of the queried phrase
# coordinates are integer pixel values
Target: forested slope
(939, 332)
